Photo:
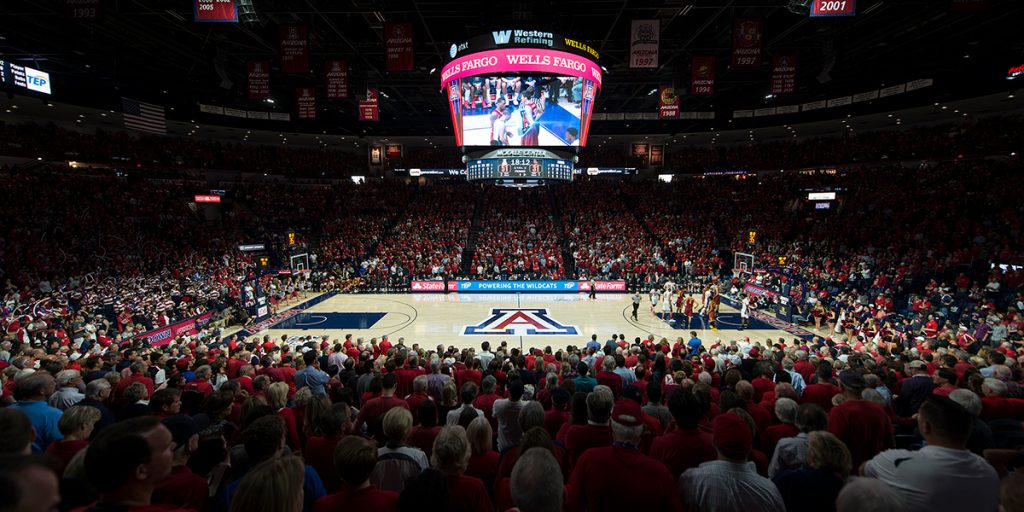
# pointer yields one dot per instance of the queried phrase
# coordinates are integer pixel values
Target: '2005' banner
(164, 335)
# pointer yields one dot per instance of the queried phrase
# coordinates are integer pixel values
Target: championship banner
(657, 155)
(833, 8)
(644, 39)
(668, 102)
(368, 108)
(294, 49)
(746, 42)
(83, 10)
(783, 74)
(306, 99)
(336, 72)
(640, 150)
(259, 79)
(392, 151)
(222, 11)
(702, 79)
(398, 46)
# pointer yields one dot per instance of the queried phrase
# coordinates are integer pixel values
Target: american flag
(143, 116)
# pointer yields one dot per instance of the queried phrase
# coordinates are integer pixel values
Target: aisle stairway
(568, 262)
(474, 234)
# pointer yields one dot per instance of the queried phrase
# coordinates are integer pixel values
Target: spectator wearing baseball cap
(862, 425)
(914, 389)
(731, 482)
(182, 487)
(601, 473)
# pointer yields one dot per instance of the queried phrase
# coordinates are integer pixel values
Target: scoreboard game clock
(514, 164)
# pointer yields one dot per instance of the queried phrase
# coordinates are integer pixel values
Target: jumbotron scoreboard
(520, 163)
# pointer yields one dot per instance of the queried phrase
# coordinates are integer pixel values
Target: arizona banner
(369, 110)
(216, 11)
(643, 44)
(702, 75)
(783, 74)
(83, 10)
(746, 42)
(398, 46)
(668, 102)
(336, 72)
(259, 79)
(294, 49)
(306, 99)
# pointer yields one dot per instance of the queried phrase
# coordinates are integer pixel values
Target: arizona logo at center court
(519, 322)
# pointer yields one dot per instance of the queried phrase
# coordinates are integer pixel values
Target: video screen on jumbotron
(523, 110)
(521, 88)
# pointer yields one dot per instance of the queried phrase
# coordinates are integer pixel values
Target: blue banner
(513, 286)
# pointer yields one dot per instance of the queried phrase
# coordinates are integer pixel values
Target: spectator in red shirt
(32, 483)
(785, 411)
(945, 381)
(537, 482)
(558, 415)
(602, 472)
(418, 395)
(138, 374)
(354, 460)
(451, 457)
(373, 411)
(127, 461)
(485, 400)
(683, 446)
(483, 462)
(76, 424)
(608, 377)
(202, 381)
(597, 432)
(764, 383)
(334, 424)
(822, 391)
(277, 398)
(863, 425)
(762, 418)
(182, 488)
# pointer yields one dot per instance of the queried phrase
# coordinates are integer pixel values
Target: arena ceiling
(151, 50)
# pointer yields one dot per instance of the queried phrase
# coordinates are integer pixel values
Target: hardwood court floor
(525, 319)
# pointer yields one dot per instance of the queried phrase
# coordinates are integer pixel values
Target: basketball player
(530, 111)
(655, 295)
(636, 305)
(666, 307)
(572, 136)
(498, 125)
(744, 312)
(510, 86)
(680, 299)
(493, 85)
(713, 312)
(688, 310)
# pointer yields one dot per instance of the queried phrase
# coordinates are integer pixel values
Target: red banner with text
(306, 99)
(702, 76)
(668, 102)
(294, 49)
(392, 151)
(83, 10)
(746, 42)
(165, 335)
(369, 109)
(833, 8)
(336, 72)
(259, 79)
(216, 11)
(783, 74)
(398, 46)
(657, 155)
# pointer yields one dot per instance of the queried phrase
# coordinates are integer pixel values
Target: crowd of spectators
(519, 238)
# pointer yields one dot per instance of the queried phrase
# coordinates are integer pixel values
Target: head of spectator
(732, 437)
(28, 484)
(77, 422)
(354, 458)
(34, 387)
(968, 400)
(862, 494)
(185, 433)
(388, 383)
(165, 402)
(531, 415)
(993, 387)
(480, 436)
(264, 438)
(785, 410)
(128, 459)
(943, 422)
(468, 393)
(1011, 493)
(98, 390)
(397, 425)
(851, 384)
(275, 485)
(451, 451)
(537, 482)
(277, 395)
(627, 423)
(826, 452)
(16, 432)
(599, 406)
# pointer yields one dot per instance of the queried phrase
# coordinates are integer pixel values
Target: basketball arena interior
(536, 256)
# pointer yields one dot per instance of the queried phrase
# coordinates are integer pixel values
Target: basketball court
(521, 319)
